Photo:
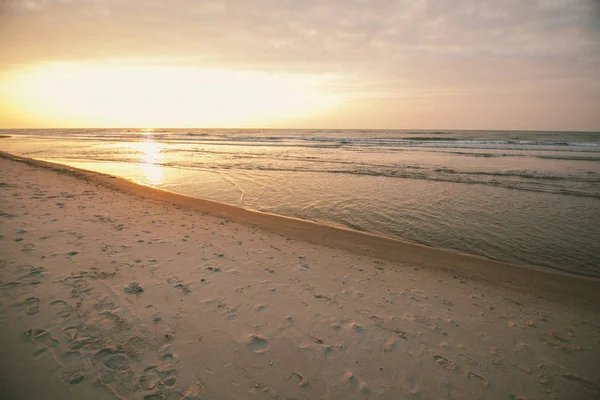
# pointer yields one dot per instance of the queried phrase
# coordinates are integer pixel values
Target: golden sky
(418, 64)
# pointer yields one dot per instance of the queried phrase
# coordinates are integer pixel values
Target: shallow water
(521, 197)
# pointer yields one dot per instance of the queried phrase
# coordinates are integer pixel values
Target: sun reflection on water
(150, 160)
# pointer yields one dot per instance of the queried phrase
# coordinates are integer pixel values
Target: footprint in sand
(182, 287)
(78, 285)
(160, 379)
(62, 308)
(108, 320)
(43, 337)
(69, 333)
(350, 377)
(112, 359)
(444, 362)
(150, 378)
(31, 305)
(28, 247)
(362, 386)
(258, 344)
(104, 303)
(390, 345)
(31, 272)
(586, 384)
(73, 377)
(478, 379)
(170, 358)
(72, 355)
(40, 353)
(335, 326)
(170, 380)
(288, 323)
(134, 288)
(328, 351)
(116, 371)
(29, 275)
(260, 308)
(157, 376)
(154, 396)
(298, 379)
(117, 362)
(83, 342)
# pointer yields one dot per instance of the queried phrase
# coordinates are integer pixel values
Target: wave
(342, 138)
(400, 142)
(519, 180)
(572, 158)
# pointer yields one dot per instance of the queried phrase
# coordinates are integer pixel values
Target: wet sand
(109, 289)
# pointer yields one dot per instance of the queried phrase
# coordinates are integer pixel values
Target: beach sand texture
(109, 291)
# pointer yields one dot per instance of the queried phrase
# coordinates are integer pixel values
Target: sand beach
(113, 290)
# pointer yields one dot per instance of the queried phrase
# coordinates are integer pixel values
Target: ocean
(530, 198)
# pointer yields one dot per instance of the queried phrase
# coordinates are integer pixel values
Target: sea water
(528, 198)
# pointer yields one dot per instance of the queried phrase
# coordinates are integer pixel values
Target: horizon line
(325, 129)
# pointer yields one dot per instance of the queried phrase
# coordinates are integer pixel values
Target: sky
(342, 64)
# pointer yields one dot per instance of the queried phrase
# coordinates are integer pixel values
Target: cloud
(378, 48)
(273, 30)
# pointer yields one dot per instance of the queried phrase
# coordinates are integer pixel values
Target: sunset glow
(164, 96)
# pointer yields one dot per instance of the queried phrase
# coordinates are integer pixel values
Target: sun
(101, 95)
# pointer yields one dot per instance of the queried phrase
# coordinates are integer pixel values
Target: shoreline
(540, 216)
(547, 283)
